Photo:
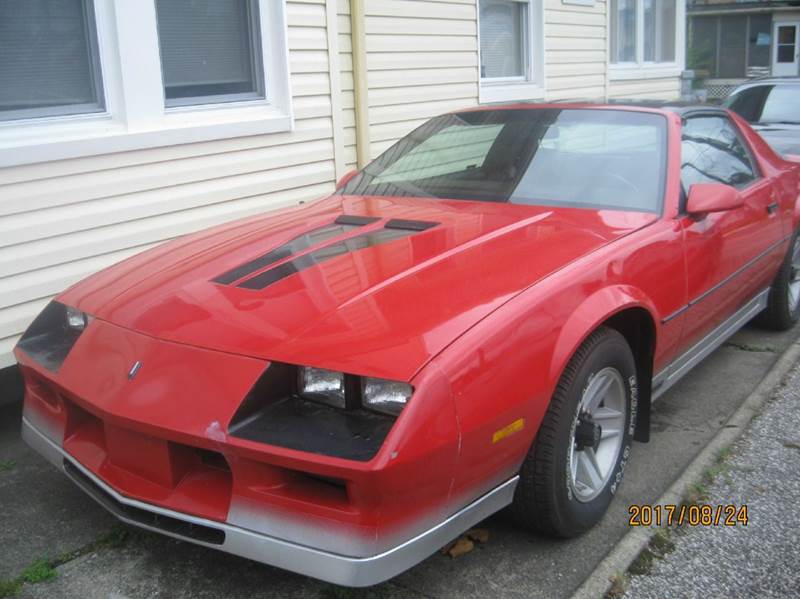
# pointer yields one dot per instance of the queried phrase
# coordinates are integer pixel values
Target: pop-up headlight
(326, 386)
(320, 411)
(52, 334)
(384, 396)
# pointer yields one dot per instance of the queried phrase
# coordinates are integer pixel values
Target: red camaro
(479, 318)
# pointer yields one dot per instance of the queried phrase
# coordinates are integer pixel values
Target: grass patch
(9, 588)
(658, 547)
(44, 569)
(619, 585)
(7, 465)
(698, 491)
(41, 570)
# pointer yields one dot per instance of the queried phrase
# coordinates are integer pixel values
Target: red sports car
(479, 318)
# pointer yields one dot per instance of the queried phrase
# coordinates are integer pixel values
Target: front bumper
(324, 565)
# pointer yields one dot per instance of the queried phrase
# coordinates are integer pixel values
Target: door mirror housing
(712, 197)
(345, 178)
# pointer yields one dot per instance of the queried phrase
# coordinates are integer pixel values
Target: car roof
(788, 80)
(673, 106)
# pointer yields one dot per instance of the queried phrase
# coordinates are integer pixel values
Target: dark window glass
(785, 53)
(748, 102)
(759, 42)
(711, 152)
(564, 157)
(210, 51)
(49, 63)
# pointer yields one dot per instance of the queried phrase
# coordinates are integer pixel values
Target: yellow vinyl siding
(422, 60)
(61, 221)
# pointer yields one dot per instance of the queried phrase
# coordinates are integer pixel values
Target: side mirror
(712, 197)
(345, 178)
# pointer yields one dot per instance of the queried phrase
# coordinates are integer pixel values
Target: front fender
(590, 314)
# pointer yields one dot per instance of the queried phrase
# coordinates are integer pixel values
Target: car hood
(382, 308)
(784, 139)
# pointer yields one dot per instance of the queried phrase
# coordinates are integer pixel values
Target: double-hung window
(511, 50)
(645, 38)
(82, 77)
(49, 61)
(210, 51)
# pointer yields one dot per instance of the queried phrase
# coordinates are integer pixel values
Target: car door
(730, 256)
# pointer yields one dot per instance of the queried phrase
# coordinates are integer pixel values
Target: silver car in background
(772, 107)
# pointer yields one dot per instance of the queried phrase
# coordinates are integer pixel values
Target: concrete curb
(632, 544)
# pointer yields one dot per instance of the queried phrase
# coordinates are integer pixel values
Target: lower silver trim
(670, 375)
(330, 567)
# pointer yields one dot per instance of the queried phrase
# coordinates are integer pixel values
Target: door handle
(772, 208)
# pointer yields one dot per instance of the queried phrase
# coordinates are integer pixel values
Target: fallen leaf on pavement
(460, 547)
(479, 535)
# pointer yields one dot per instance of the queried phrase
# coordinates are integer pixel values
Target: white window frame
(135, 116)
(641, 69)
(531, 85)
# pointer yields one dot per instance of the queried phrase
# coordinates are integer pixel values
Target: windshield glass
(581, 158)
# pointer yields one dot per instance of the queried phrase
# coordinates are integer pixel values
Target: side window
(712, 152)
(748, 102)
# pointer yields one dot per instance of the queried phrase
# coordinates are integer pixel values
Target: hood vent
(294, 246)
(395, 228)
(409, 225)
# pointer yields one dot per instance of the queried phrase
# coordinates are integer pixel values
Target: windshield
(558, 157)
(765, 104)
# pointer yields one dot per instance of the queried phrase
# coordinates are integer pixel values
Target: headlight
(52, 334)
(384, 396)
(320, 411)
(75, 319)
(326, 386)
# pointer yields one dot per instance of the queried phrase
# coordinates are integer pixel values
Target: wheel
(576, 462)
(783, 306)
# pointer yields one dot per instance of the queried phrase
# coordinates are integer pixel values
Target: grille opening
(182, 528)
(212, 459)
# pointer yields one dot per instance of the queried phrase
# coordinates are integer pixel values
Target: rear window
(581, 158)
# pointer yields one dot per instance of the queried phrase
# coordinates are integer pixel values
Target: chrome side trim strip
(724, 281)
(689, 359)
(330, 567)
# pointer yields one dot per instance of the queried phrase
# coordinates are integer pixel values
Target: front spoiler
(330, 567)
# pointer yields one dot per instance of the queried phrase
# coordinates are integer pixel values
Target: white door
(785, 53)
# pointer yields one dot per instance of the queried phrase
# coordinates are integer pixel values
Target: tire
(783, 310)
(550, 497)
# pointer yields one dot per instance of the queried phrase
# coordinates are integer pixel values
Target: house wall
(62, 220)
(575, 50)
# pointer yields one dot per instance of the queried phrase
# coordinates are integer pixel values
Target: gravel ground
(762, 559)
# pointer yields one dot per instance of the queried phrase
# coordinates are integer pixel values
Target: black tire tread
(534, 507)
(777, 315)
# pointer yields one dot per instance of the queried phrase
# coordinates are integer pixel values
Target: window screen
(503, 38)
(49, 62)
(711, 152)
(732, 47)
(210, 51)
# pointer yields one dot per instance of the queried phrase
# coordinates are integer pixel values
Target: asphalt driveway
(45, 518)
